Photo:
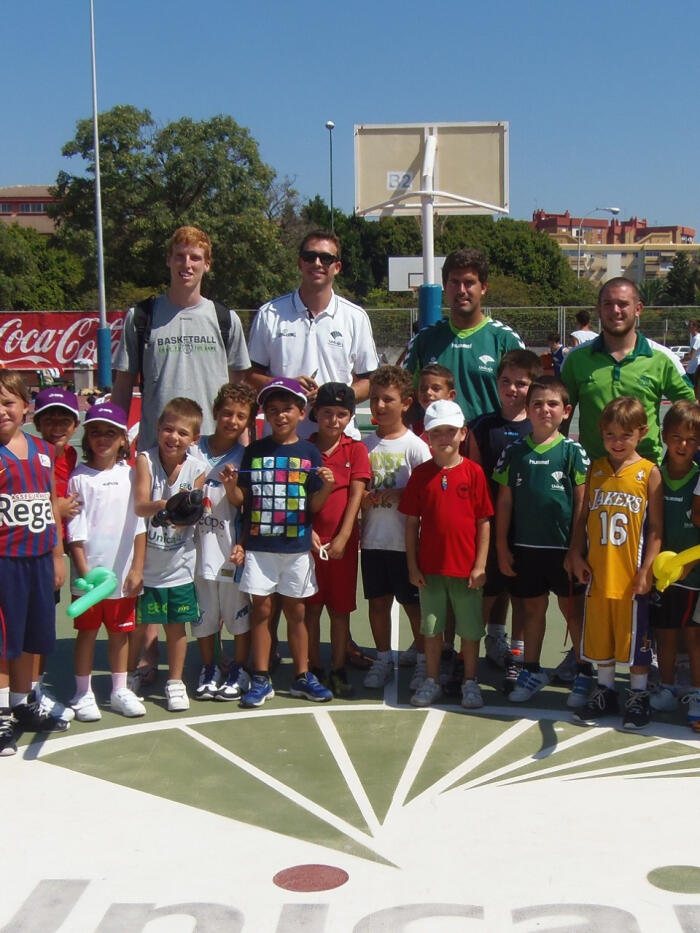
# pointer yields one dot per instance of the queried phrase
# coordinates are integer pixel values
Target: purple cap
(282, 385)
(53, 397)
(109, 412)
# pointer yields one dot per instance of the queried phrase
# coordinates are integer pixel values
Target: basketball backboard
(406, 272)
(470, 172)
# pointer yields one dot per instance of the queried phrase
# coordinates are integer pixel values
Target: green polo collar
(642, 347)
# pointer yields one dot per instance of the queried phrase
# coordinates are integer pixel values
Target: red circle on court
(310, 878)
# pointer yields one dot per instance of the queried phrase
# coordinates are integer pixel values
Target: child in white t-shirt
(394, 452)
(218, 532)
(106, 533)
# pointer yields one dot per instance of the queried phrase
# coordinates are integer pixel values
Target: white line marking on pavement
(294, 796)
(421, 747)
(347, 769)
(472, 762)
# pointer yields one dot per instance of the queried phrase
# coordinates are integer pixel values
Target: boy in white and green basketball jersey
(541, 479)
(468, 343)
(674, 613)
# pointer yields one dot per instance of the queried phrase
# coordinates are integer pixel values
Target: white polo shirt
(286, 340)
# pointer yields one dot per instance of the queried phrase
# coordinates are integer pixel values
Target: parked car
(680, 351)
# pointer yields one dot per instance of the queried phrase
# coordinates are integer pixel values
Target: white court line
(286, 791)
(622, 769)
(603, 756)
(548, 752)
(513, 732)
(391, 691)
(419, 752)
(347, 769)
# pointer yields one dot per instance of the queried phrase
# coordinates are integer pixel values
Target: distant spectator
(584, 332)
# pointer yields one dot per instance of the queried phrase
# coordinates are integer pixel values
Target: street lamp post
(104, 337)
(330, 126)
(611, 210)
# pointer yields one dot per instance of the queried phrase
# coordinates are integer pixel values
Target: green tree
(652, 292)
(679, 287)
(208, 173)
(34, 273)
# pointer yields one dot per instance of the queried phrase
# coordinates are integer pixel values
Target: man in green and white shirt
(621, 361)
(468, 343)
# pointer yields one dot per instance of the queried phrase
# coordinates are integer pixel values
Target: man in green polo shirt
(621, 361)
(468, 343)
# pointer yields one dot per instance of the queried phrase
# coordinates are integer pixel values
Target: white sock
(517, 649)
(638, 681)
(17, 699)
(118, 680)
(82, 684)
(4, 697)
(496, 630)
(606, 676)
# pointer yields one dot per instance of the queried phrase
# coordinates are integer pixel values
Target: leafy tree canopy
(34, 273)
(154, 179)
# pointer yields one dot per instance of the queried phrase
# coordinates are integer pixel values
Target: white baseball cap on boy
(443, 413)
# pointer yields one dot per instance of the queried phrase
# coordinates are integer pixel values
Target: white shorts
(287, 574)
(221, 600)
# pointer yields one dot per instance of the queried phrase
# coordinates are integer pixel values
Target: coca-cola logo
(30, 340)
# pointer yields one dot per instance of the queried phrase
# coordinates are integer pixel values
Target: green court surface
(358, 815)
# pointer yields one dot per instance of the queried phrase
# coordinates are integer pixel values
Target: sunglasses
(326, 259)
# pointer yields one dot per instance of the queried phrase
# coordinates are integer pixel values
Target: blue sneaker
(309, 687)
(260, 690)
(581, 690)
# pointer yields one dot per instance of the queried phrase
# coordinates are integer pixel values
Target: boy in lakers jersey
(613, 547)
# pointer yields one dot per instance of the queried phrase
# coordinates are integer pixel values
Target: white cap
(443, 413)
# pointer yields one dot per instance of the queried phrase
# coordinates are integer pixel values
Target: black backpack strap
(223, 316)
(143, 321)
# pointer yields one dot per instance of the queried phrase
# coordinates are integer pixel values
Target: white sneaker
(85, 707)
(49, 704)
(407, 657)
(209, 682)
(471, 695)
(126, 702)
(420, 673)
(527, 685)
(662, 699)
(380, 673)
(176, 695)
(427, 693)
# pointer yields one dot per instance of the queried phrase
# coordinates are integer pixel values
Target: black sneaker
(8, 729)
(339, 684)
(32, 716)
(512, 672)
(637, 712)
(602, 702)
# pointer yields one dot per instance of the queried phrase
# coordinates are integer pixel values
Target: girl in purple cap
(106, 533)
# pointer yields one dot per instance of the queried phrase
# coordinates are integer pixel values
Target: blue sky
(602, 100)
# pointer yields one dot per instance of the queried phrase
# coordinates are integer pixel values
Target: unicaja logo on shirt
(487, 362)
(557, 476)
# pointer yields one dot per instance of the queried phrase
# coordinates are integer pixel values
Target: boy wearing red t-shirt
(447, 507)
(335, 529)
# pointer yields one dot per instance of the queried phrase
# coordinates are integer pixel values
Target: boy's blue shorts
(27, 607)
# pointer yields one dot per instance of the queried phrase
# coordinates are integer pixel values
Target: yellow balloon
(668, 566)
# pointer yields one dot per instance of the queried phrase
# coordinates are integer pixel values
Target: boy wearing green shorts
(447, 507)
(169, 596)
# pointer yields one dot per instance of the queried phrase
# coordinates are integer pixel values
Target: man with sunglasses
(313, 335)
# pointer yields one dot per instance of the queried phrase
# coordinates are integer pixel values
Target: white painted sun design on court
(353, 777)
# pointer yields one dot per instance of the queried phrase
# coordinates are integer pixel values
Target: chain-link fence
(392, 327)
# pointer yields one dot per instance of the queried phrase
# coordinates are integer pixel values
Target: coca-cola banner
(53, 339)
